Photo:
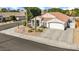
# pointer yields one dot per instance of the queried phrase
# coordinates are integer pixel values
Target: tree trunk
(35, 26)
(26, 17)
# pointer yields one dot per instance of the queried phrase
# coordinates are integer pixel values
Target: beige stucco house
(53, 20)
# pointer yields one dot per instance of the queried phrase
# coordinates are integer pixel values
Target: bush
(40, 30)
(42, 27)
(13, 18)
(24, 23)
(30, 30)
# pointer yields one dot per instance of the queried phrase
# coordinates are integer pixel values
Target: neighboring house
(53, 20)
(74, 22)
(6, 15)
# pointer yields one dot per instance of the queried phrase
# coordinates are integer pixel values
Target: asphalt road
(11, 43)
(3, 27)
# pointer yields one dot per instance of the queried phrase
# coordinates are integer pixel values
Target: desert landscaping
(53, 28)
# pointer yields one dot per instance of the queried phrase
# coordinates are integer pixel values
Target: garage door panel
(56, 26)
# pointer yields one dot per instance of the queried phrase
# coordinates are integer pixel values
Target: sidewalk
(57, 43)
(4, 23)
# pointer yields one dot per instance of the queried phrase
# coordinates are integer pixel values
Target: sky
(69, 8)
(15, 8)
(43, 8)
(22, 8)
(64, 8)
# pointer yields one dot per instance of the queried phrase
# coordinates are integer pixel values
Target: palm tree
(27, 12)
(32, 12)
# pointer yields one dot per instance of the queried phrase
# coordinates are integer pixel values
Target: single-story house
(53, 20)
(6, 15)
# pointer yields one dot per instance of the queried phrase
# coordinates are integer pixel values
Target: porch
(38, 23)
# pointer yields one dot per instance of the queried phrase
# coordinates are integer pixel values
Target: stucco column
(34, 22)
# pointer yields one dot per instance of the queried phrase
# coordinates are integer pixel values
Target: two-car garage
(56, 25)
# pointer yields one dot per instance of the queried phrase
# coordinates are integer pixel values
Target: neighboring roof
(7, 14)
(58, 15)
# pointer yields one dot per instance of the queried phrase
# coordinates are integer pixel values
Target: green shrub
(42, 27)
(13, 18)
(30, 30)
(24, 23)
(40, 30)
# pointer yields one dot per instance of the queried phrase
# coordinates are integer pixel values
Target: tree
(28, 14)
(65, 12)
(76, 11)
(55, 10)
(72, 12)
(32, 12)
(44, 11)
(4, 10)
(13, 11)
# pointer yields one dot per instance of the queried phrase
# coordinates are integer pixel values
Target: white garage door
(56, 26)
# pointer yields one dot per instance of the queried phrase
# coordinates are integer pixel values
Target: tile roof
(58, 15)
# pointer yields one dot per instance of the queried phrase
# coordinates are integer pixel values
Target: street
(11, 43)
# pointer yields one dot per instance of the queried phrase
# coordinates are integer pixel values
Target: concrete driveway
(59, 35)
(52, 34)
